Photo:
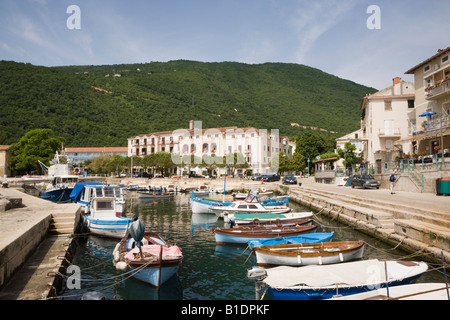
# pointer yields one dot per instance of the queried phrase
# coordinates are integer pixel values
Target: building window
(387, 105)
(410, 104)
(445, 59)
(426, 68)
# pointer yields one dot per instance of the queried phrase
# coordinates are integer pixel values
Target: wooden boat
(241, 236)
(303, 254)
(102, 219)
(316, 282)
(161, 259)
(414, 291)
(312, 237)
(242, 218)
(155, 195)
(273, 223)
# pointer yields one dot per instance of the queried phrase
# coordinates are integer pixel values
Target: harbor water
(208, 272)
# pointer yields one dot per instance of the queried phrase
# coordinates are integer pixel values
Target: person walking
(392, 180)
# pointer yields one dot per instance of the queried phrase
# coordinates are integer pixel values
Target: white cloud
(313, 19)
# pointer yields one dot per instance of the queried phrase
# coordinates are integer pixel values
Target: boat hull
(309, 253)
(58, 195)
(309, 237)
(242, 218)
(221, 212)
(327, 281)
(162, 259)
(155, 276)
(203, 205)
(115, 228)
(239, 237)
(328, 293)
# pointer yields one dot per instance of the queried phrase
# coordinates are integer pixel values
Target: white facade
(385, 120)
(258, 146)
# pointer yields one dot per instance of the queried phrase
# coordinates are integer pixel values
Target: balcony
(389, 133)
(438, 90)
(435, 124)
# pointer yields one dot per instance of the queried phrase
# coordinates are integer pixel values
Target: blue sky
(329, 35)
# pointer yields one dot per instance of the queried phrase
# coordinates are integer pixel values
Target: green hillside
(90, 106)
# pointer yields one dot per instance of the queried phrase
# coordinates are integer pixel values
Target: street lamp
(308, 167)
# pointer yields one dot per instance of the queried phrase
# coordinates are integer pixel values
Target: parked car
(257, 176)
(271, 177)
(364, 181)
(289, 179)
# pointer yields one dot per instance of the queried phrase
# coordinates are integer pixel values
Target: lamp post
(442, 144)
(308, 167)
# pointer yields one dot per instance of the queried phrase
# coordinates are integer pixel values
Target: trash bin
(443, 186)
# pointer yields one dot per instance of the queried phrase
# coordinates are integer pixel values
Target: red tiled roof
(4, 147)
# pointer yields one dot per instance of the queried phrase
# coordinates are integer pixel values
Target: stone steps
(397, 211)
(377, 217)
(426, 226)
(63, 223)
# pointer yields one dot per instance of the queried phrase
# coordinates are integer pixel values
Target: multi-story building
(432, 104)
(385, 122)
(258, 146)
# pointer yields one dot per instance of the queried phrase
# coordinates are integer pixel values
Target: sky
(345, 38)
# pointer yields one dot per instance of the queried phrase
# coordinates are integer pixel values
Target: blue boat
(241, 236)
(317, 282)
(60, 177)
(314, 237)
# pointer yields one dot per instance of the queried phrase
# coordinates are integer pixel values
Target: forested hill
(104, 105)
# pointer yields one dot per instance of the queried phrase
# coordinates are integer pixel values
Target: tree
(233, 161)
(350, 157)
(297, 163)
(38, 144)
(310, 145)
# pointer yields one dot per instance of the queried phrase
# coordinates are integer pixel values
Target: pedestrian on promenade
(392, 180)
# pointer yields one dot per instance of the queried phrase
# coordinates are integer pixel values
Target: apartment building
(258, 146)
(386, 122)
(432, 104)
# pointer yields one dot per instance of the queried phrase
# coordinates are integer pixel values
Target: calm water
(208, 272)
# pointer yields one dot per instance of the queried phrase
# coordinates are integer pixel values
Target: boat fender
(131, 243)
(121, 266)
(116, 252)
(299, 259)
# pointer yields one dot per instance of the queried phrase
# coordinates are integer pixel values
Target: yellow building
(432, 95)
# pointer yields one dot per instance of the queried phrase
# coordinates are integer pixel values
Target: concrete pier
(35, 240)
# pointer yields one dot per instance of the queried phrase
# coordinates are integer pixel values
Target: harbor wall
(35, 243)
